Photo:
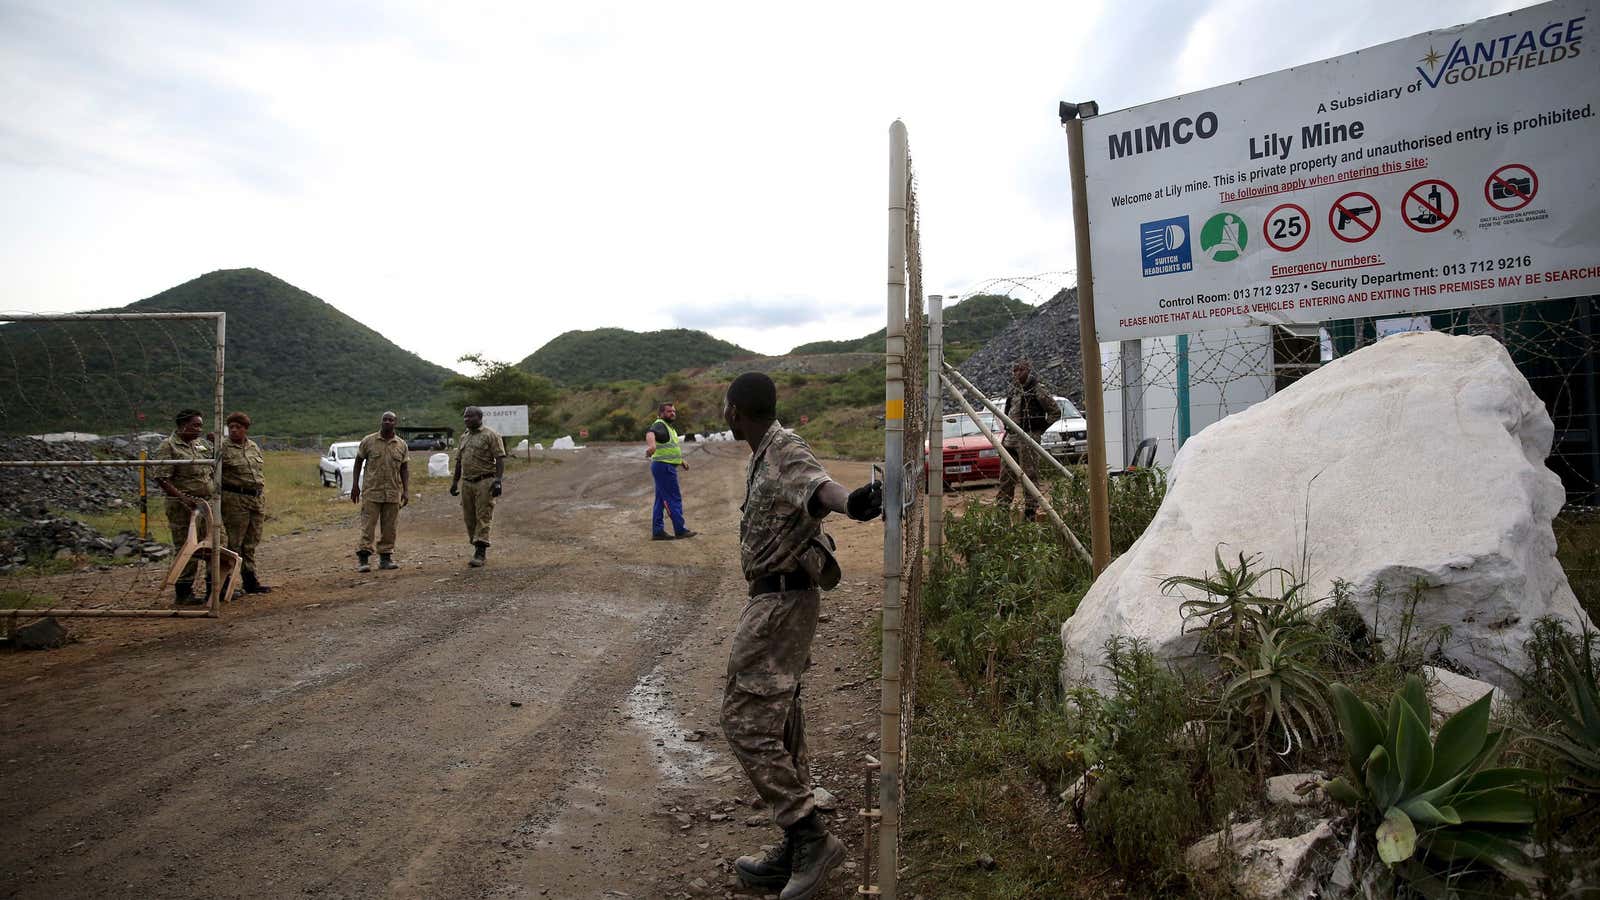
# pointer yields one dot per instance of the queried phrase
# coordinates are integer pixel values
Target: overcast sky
(474, 177)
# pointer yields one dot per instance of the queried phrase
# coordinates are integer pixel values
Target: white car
(1068, 438)
(337, 465)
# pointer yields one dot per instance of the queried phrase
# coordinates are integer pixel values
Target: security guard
(384, 457)
(244, 507)
(786, 557)
(186, 487)
(480, 456)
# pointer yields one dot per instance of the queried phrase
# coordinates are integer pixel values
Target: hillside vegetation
(967, 325)
(297, 365)
(580, 358)
(845, 410)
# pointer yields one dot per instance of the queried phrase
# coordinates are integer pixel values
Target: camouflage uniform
(1034, 409)
(381, 490)
(761, 711)
(475, 463)
(192, 480)
(243, 506)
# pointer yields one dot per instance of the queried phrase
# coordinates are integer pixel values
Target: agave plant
(1442, 796)
(1231, 603)
(1277, 686)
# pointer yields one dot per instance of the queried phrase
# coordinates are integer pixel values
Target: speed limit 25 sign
(1287, 227)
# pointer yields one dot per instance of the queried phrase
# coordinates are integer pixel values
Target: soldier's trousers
(178, 523)
(242, 516)
(1029, 461)
(375, 516)
(761, 712)
(477, 508)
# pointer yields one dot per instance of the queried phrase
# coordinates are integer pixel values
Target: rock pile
(63, 538)
(36, 493)
(1049, 338)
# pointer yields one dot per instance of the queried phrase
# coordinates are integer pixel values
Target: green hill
(967, 325)
(297, 365)
(616, 354)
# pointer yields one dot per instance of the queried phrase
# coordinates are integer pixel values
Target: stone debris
(45, 634)
(1269, 868)
(1303, 789)
(1048, 338)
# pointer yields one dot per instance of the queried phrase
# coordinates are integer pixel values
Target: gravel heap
(39, 493)
(1048, 338)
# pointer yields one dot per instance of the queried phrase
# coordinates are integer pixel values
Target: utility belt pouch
(819, 562)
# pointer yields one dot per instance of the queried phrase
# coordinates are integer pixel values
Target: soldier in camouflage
(784, 554)
(187, 488)
(1030, 405)
(480, 456)
(244, 507)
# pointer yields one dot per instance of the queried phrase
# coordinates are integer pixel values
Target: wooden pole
(1094, 400)
(894, 402)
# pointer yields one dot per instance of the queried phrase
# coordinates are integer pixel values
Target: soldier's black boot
(363, 560)
(253, 585)
(478, 558)
(385, 561)
(184, 591)
(816, 853)
(770, 870)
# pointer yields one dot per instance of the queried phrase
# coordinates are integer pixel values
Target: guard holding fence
(244, 507)
(187, 489)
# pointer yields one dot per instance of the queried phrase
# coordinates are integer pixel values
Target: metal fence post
(894, 402)
(214, 566)
(935, 429)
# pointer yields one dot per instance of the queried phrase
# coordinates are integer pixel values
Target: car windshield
(345, 452)
(961, 426)
(1068, 411)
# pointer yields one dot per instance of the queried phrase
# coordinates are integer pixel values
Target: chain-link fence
(83, 404)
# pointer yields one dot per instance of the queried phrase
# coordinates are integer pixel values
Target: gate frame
(214, 565)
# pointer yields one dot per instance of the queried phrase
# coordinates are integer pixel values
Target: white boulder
(1420, 457)
(563, 443)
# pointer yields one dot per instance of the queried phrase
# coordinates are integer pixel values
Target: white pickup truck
(337, 464)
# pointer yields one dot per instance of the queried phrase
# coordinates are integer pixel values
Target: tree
(502, 384)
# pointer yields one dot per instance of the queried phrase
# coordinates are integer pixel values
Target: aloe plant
(1231, 603)
(1443, 796)
(1573, 739)
(1276, 684)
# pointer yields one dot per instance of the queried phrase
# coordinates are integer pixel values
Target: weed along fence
(86, 521)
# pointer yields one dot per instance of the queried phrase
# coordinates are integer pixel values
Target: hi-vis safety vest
(668, 452)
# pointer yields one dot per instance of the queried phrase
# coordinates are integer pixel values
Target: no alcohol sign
(1429, 206)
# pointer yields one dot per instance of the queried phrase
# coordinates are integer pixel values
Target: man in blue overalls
(666, 458)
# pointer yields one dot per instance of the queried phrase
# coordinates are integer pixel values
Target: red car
(968, 455)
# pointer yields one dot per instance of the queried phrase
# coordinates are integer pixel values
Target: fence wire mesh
(83, 538)
(916, 430)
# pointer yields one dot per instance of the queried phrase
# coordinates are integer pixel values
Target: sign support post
(1094, 401)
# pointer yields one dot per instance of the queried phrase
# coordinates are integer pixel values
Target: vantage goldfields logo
(1503, 55)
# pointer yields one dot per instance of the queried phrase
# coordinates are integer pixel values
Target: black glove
(455, 488)
(866, 502)
(495, 491)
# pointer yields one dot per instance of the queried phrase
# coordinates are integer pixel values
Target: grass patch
(24, 600)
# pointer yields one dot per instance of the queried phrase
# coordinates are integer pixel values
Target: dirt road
(542, 727)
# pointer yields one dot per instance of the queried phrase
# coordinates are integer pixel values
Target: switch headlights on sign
(1451, 169)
